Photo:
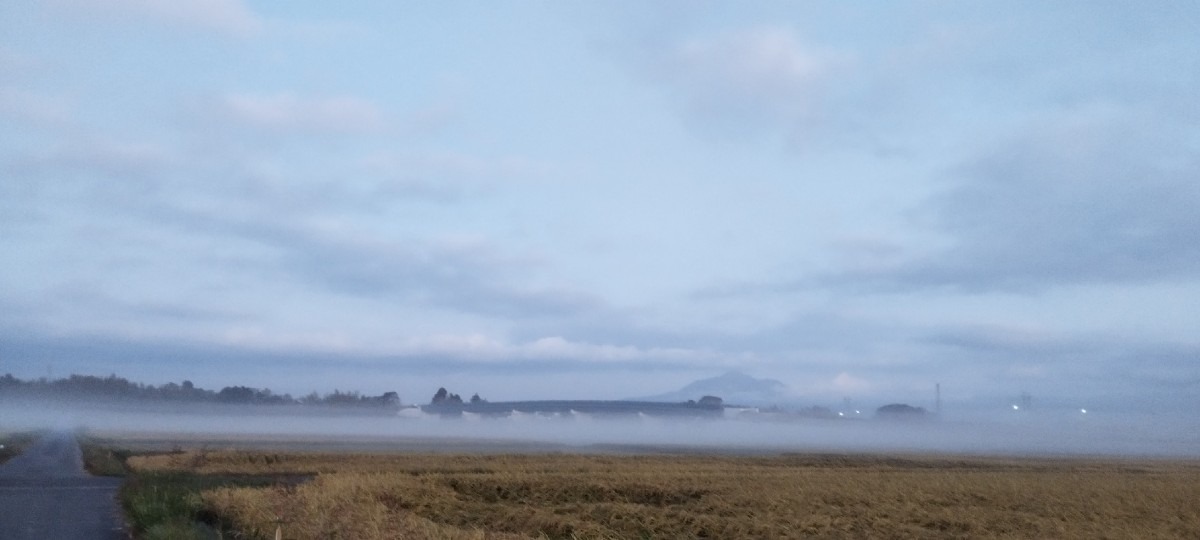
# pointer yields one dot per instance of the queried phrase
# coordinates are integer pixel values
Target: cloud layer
(858, 202)
(224, 16)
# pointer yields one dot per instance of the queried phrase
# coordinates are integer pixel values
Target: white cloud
(849, 384)
(559, 348)
(478, 347)
(761, 76)
(289, 113)
(464, 347)
(841, 386)
(765, 62)
(457, 345)
(229, 16)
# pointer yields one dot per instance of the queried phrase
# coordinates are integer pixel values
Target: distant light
(1016, 408)
(857, 412)
(1084, 411)
(841, 414)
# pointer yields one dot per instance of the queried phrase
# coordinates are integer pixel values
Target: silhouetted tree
(711, 401)
(236, 394)
(343, 398)
(900, 410)
(87, 387)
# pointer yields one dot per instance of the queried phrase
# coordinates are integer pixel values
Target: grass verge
(167, 505)
(170, 505)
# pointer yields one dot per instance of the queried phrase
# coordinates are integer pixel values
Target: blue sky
(606, 199)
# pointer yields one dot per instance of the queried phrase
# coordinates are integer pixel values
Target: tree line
(112, 387)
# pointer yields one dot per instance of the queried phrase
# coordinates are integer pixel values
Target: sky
(606, 199)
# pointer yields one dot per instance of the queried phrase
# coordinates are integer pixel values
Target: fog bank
(1091, 433)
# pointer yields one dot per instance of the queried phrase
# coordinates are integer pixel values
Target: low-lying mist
(736, 431)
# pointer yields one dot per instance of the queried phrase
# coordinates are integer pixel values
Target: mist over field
(736, 431)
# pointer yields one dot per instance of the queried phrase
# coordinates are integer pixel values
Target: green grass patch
(168, 505)
(103, 461)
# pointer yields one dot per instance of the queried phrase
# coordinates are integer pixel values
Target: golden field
(363, 496)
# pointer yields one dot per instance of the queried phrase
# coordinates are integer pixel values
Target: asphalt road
(46, 494)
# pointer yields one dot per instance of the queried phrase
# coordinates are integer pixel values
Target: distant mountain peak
(734, 387)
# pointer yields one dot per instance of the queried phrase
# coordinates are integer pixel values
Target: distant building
(712, 407)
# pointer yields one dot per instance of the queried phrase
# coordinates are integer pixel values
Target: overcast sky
(606, 199)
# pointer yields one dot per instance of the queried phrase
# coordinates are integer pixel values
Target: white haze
(1094, 433)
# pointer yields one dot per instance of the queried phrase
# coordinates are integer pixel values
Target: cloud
(762, 77)
(1008, 340)
(1090, 196)
(289, 114)
(765, 62)
(316, 228)
(448, 176)
(1105, 366)
(477, 347)
(849, 384)
(80, 312)
(105, 158)
(817, 343)
(97, 180)
(330, 256)
(471, 278)
(226, 16)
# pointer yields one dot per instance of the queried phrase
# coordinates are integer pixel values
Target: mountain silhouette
(734, 387)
